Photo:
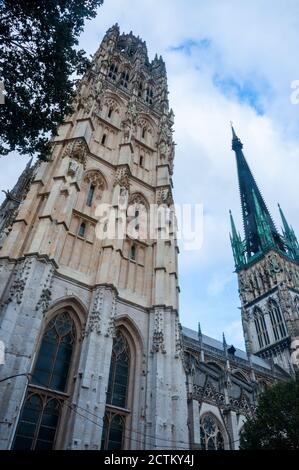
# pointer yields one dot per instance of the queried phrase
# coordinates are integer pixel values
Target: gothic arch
(239, 374)
(45, 411)
(212, 433)
(215, 366)
(146, 119)
(138, 198)
(276, 318)
(114, 98)
(146, 129)
(113, 68)
(68, 302)
(260, 327)
(257, 311)
(95, 176)
(128, 336)
(125, 323)
(93, 187)
(138, 217)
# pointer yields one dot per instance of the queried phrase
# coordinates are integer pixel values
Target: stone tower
(267, 264)
(89, 317)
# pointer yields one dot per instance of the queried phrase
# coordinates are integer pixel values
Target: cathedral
(95, 354)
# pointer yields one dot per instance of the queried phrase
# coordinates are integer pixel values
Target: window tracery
(211, 436)
(117, 394)
(47, 391)
(113, 71)
(277, 323)
(261, 328)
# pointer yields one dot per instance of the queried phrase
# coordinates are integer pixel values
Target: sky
(226, 60)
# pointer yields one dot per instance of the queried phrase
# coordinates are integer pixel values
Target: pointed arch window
(149, 95)
(90, 195)
(104, 137)
(113, 431)
(119, 372)
(81, 231)
(53, 362)
(211, 436)
(133, 251)
(140, 89)
(124, 79)
(277, 322)
(261, 328)
(115, 417)
(39, 420)
(113, 71)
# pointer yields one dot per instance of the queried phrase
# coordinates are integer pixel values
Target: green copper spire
(266, 239)
(248, 186)
(289, 237)
(237, 245)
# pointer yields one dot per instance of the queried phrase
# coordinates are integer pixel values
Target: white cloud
(251, 48)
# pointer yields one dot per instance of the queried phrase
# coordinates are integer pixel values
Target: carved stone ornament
(122, 178)
(137, 200)
(158, 335)
(95, 317)
(77, 150)
(95, 178)
(178, 337)
(208, 394)
(46, 293)
(164, 196)
(111, 330)
(21, 275)
(242, 404)
(73, 168)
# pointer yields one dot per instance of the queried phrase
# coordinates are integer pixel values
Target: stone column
(21, 323)
(166, 397)
(89, 399)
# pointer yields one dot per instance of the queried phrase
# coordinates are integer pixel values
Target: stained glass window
(261, 328)
(211, 436)
(113, 71)
(90, 195)
(38, 423)
(114, 421)
(124, 79)
(81, 231)
(119, 372)
(113, 432)
(53, 362)
(276, 321)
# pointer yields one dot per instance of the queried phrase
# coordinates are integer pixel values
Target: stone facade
(117, 141)
(114, 298)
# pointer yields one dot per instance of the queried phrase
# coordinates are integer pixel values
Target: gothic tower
(89, 290)
(267, 264)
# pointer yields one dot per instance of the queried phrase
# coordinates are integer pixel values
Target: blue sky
(226, 61)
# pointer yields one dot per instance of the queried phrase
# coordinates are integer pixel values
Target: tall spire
(289, 237)
(251, 200)
(237, 244)
(263, 229)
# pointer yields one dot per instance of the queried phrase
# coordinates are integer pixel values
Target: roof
(214, 343)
